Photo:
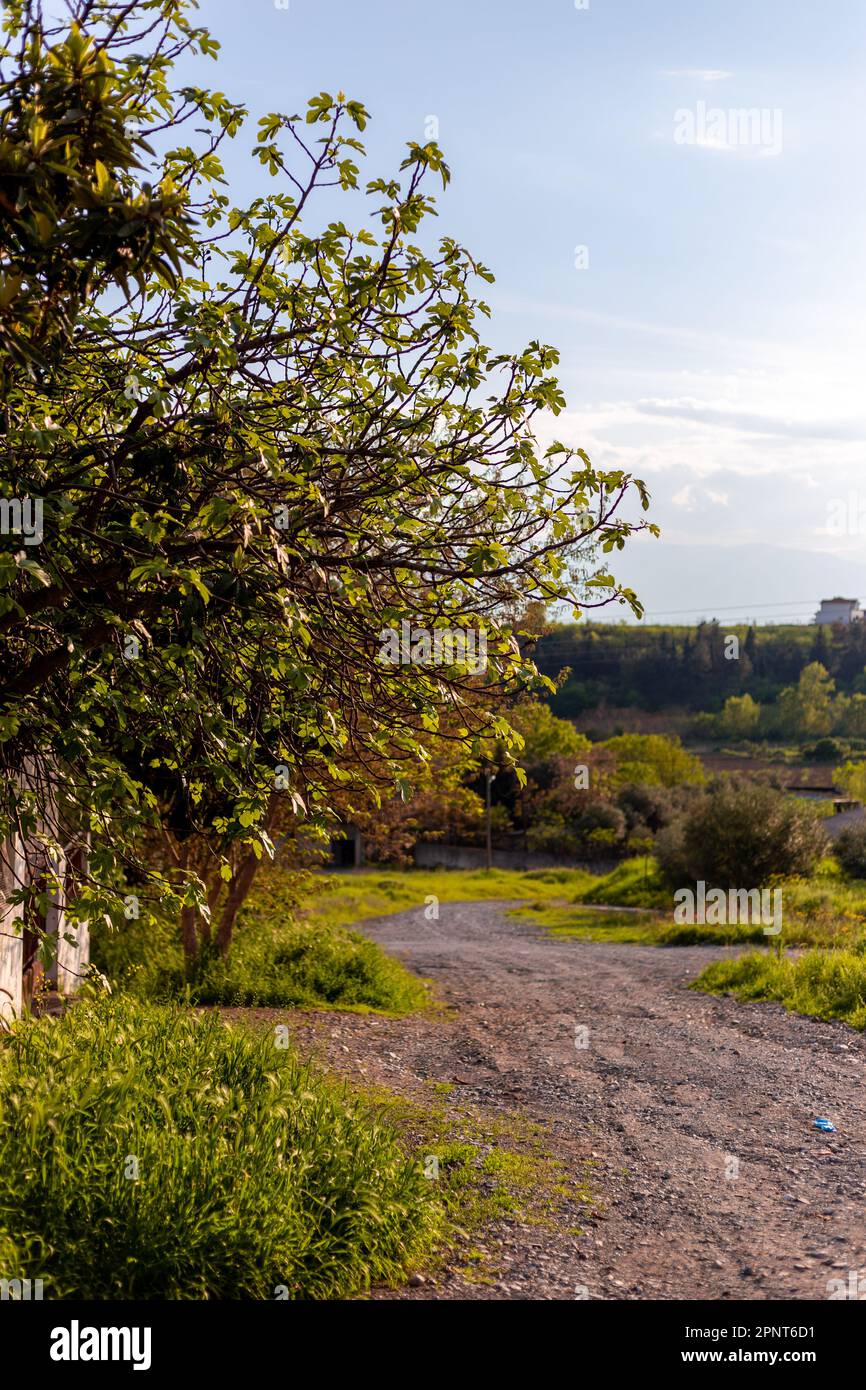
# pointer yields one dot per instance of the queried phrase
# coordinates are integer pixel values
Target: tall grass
(281, 957)
(633, 883)
(825, 984)
(149, 1153)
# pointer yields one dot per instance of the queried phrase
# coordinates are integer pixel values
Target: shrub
(826, 750)
(850, 849)
(597, 831)
(308, 964)
(551, 833)
(650, 806)
(741, 834)
(252, 1172)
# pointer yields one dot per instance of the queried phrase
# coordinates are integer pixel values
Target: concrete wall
(64, 973)
(834, 825)
(71, 957)
(435, 856)
(11, 944)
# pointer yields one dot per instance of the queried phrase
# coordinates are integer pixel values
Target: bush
(308, 964)
(650, 807)
(826, 750)
(597, 832)
(551, 833)
(740, 835)
(850, 849)
(252, 1172)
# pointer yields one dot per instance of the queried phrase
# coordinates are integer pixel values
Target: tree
(654, 759)
(439, 805)
(271, 452)
(854, 723)
(739, 835)
(544, 736)
(740, 716)
(808, 708)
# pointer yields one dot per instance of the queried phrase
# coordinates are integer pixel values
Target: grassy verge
(294, 947)
(374, 893)
(293, 944)
(149, 1153)
(824, 984)
(632, 928)
(824, 911)
(633, 883)
(485, 1172)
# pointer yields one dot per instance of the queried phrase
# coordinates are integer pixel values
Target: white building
(839, 610)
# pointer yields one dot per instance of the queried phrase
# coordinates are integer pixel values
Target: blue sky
(714, 343)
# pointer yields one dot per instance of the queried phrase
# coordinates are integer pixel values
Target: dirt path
(699, 1110)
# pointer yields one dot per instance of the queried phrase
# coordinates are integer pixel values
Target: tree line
(655, 668)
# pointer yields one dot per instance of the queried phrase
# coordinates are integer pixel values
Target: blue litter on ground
(827, 1127)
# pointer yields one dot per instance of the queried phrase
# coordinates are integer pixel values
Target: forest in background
(657, 668)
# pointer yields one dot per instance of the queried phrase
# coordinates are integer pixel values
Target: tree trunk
(189, 933)
(188, 915)
(240, 886)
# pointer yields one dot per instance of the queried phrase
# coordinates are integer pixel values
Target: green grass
(283, 956)
(825, 910)
(633, 883)
(631, 928)
(637, 884)
(377, 892)
(824, 984)
(293, 947)
(587, 925)
(489, 1170)
(254, 1175)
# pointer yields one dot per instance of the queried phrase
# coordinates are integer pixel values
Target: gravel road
(697, 1112)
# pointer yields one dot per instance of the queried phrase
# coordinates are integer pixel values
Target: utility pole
(490, 776)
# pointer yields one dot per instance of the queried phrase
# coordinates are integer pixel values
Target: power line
(738, 607)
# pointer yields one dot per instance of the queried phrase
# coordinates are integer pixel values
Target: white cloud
(699, 74)
(685, 498)
(723, 415)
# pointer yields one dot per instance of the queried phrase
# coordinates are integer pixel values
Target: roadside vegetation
(149, 1153)
(294, 946)
(822, 983)
(489, 1170)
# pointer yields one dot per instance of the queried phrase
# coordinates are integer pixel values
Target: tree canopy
(262, 438)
